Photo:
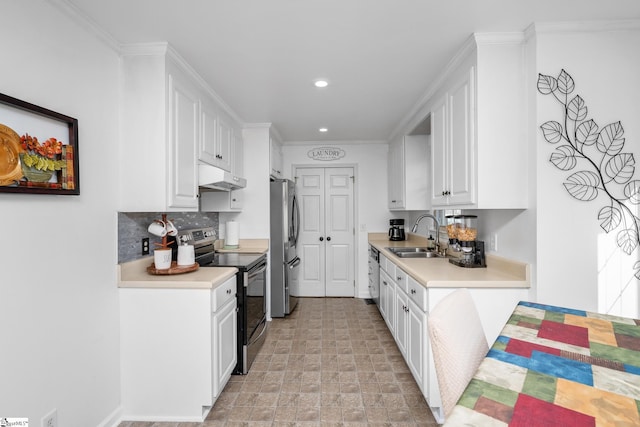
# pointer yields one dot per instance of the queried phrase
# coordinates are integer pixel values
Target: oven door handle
(253, 273)
(264, 329)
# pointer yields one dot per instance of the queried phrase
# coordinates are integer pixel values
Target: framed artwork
(38, 149)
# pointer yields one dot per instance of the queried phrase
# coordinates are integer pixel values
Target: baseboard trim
(113, 419)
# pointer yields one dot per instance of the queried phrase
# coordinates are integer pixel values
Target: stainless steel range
(251, 290)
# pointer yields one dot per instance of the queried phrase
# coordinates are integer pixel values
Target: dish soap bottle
(431, 243)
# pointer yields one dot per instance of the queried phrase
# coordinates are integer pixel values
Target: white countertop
(440, 273)
(134, 275)
(245, 246)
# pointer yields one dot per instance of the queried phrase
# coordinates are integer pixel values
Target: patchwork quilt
(553, 366)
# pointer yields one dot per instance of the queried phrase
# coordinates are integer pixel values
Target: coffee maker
(396, 229)
(463, 231)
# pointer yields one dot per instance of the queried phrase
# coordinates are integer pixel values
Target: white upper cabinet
(408, 166)
(395, 176)
(160, 130)
(452, 146)
(478, 127)
(215, 140)
(183, 138)
(170, 121)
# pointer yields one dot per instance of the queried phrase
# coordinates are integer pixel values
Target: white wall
(58, 297)
(578, 264)
(372, 215)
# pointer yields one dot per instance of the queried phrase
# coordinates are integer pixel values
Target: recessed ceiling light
(323, 129)
(321, 83)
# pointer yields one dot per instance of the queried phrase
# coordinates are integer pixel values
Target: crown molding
(83, 20)
(467, 48)
(569, 27)
(515, 37)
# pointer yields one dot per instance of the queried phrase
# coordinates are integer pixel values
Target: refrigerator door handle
(296, 262)
(296, 221)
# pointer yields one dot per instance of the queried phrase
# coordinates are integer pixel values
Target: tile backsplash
(132, 228)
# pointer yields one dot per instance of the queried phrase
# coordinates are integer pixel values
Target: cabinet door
(417, 343)
(461, 162)
(396, 175)
(385, 283)
(183, 140)
(208, 147)
(390, 307)
(402, 318)
(439, 153)
(218, 139)
(224, 146)
(224, 352)
(236, 200)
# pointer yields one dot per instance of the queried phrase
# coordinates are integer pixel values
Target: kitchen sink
(416, 252)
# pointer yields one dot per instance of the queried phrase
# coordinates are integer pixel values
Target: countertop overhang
(440, 273)
(134, 275)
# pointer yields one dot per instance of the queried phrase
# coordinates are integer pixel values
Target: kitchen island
(409, 288)
(178, 336)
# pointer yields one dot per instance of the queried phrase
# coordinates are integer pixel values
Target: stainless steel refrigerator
(285, 229)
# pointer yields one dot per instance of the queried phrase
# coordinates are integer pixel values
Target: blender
(466, 233)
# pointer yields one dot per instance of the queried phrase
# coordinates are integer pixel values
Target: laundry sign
(326, 154)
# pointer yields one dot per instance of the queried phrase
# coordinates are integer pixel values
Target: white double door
(326, 241)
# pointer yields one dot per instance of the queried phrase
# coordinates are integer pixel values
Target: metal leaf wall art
(604, 170)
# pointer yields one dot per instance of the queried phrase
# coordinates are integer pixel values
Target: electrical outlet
(51, 419)
(145, 246)
(494, 242)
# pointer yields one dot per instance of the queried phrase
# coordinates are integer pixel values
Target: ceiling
(262, 56)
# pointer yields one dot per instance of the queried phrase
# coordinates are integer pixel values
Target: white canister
(162, 259)
(186, 255)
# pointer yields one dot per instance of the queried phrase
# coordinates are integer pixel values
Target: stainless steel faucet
(427, 215)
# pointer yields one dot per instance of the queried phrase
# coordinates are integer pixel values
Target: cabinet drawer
(388, 266)
(417, 293)
(401, 278)
(223, 294)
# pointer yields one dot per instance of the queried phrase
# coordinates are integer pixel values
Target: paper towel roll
(231, 234)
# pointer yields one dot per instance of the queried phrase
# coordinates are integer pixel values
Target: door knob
(321, 238)
(328, 239)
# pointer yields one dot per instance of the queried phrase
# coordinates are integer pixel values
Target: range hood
(213, 178)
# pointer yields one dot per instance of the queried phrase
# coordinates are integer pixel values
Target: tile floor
(332, 362)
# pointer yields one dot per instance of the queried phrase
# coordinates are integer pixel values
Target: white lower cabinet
(177, 351)
(405, 305)
(411, 328)
(418, 346)
(224, 345)
(387, 300)
(402, 320)
(409, 302)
